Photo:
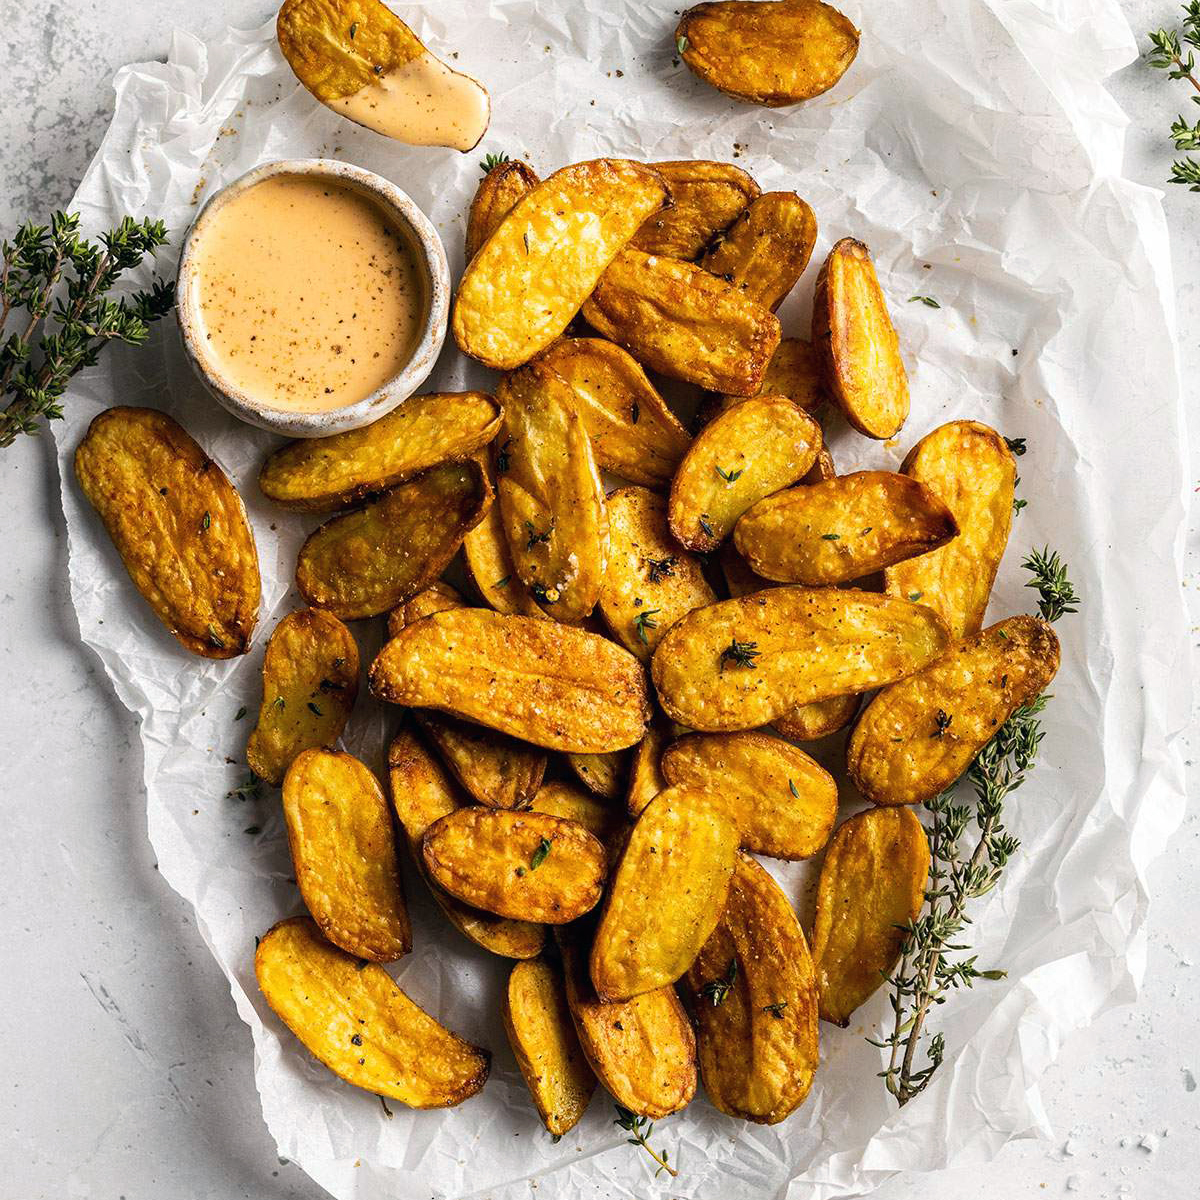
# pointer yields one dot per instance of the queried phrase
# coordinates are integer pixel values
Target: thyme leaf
(741, 654)
(640, 1129)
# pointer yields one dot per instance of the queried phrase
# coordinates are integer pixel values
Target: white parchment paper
(974, 147)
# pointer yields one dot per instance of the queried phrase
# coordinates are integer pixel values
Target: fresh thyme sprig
(51, 272)
(491, 161)
(741, 654)
(715, 990)
(1173, 51)
(640, 1129)
(932, 963)
(645, 620)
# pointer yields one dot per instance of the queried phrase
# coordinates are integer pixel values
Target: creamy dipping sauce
(308, 295)
(423, 103)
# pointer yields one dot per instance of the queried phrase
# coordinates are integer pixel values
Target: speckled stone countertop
(127, 1074)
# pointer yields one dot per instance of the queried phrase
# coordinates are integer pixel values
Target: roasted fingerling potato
(178, 524)
(490, 567)
(706, 198)
(498, 192)
(601, 819)
(795, 372)
(646, 779)
(602, 774)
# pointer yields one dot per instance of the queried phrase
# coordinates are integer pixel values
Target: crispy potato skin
(706, 198)
(437, 597)
(602, 774)
(872, 884)
(633, 433)
(495, 197)
(178, 525)
(490, 566)
(325, 474)
(857, 341)
(970, 466)
(496, 770)
(766, 249)
(811, 644)
(898, 754)
(542, 1035)
(758, 1047)
(666, 894)
(677, 318)
(550, 494)
(421, 793)
(365, 562)
(603, 821)
(344, 853)
(310, 682)
(772, 54)
(760, 445)
(485, 858)
(327, 997)
(842, 529)
(542, 261)
(642, 1050)
(650, 582)
(552, 685)
(795, 372)
(782, 801)
(646, 779)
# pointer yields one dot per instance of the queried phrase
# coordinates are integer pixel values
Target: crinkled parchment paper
(974, 147)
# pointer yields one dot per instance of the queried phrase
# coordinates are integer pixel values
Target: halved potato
(538, 1022)
(550, 495)
(360, 59)
(633, 433)
(531, 275)
(646, 779)
(496, 770)
(437, 597)
(766, 249)
(310, 681)
(676, 318)
(919, 735)
(872, 885)
(773, 53)
(352, 1017)
(783, 802)
(495, 197)
(178, 524)
(746, 453)
(367, 561)
(706, 198)
(421, 793)
(744, 663)
(842, 529)
(795, 372)
(970, 467)
(490, 566)
(529, 866)
(603, 774)
(666, 894)
(642, 1050)
(755, 1000)
(650, 582)
(565, 800)
(857, 341)
(344, 854)
(549, 684)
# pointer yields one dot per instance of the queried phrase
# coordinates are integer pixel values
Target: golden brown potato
(766, 249)
(842, 529)
(768, 53)
(437, 597)
(645, 775)
(755, 999)
(496, 770)
(748, 452)
(603, 774)
(642, 1050)
(495, 197)
(549, 684)
(676, 318)
(603, 821)
(178, 525)
(543, 260)
(859, 349)
(706, 198)
(344, 854)
(872, 885)
(490, 567)
(325, 474)
(919, 735)
(650, 582)
(310, 681)
(353, 1018)
(529, 866)
(421, 793)
(538, 1022)
(970, 467)
(365, 562)
(795, 372)
(744, 663)
(666, 894)
(782, 801)
(633, 433)
(550, 495)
